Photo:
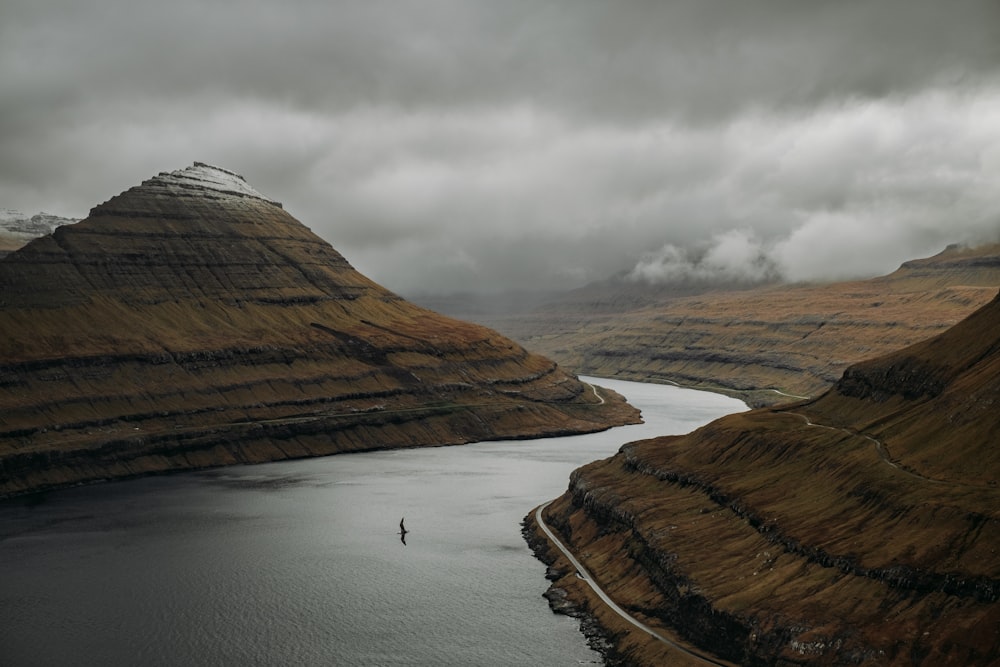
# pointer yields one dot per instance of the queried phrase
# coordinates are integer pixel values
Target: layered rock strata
(797, 339)
(191, 322)
(862, 527)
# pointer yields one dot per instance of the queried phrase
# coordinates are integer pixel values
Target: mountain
(17, 229)
(190, 322)
(859, 527)
(797, 339)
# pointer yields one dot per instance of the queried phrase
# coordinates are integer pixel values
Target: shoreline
(618, 642)
(264, 441)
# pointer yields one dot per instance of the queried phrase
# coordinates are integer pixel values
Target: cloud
(466, 144)
(735, 256)
(632, 60)
(854, 189)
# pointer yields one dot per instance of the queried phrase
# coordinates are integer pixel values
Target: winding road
(583, 574)
(880, 450)
(723, 390)
(599, 397)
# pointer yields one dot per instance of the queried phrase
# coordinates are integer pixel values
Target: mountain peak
(200, 180)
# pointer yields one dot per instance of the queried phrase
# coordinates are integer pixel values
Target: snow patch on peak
(15, 222)
(18, 229)
(201, 176)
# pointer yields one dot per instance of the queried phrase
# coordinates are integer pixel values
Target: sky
(484, 145)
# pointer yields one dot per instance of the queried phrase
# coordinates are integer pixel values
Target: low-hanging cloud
(480, 145)
(736, 256)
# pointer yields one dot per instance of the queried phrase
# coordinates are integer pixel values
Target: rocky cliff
(190, 321)
(794, 338)
(861, 527)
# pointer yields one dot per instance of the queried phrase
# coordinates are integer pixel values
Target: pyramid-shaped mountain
(190, 321)
(861, 527)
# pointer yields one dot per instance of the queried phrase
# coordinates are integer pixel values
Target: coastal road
(583, 574)
(599, 397)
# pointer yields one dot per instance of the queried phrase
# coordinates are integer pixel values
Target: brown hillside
(797, 339)
(191, 322)
(862, 527)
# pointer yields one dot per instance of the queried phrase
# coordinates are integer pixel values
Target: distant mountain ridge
(794, 338)
(17, 228)
(860, 527)
(190, 321)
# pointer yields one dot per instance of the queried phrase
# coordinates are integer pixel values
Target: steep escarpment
(862, 527)
(191, 321)
(798, 339)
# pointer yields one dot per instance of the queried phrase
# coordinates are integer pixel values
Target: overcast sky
(446, 145)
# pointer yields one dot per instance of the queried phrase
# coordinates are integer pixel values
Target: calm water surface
(300, 563)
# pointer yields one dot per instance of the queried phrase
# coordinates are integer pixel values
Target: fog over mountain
(473, 145)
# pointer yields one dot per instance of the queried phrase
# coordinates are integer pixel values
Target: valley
(797, 339)
(191, 323)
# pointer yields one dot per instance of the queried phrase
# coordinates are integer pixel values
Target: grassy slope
(798, 338)
(769, 540)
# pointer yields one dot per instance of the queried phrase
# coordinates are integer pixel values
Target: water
(300, 562)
